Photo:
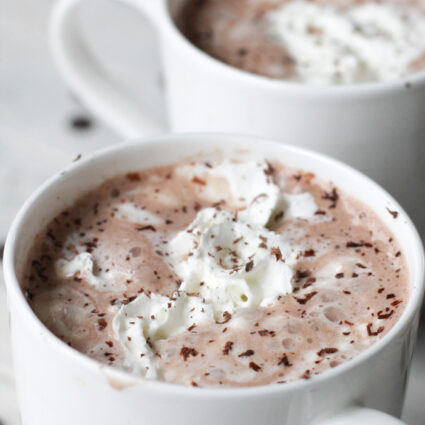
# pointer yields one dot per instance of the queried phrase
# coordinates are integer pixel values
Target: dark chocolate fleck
(254, 366)
(284, 361)
(148, 227)
(327, 350)
(227, 347)
(186, 352)
(247, 353)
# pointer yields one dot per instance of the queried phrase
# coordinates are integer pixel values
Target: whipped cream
(225, 260)
(253, 191)
(230, 263)
(250, 184)
(84, 266)
(247, 184)
(334, 45)
(149, 318)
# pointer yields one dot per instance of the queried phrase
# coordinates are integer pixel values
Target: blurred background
(43, 127)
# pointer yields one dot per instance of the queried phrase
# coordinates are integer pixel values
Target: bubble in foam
(334, 314)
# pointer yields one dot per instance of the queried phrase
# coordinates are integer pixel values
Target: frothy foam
(222, 285)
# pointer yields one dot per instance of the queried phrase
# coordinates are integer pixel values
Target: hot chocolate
(312, 42)
(217, 272)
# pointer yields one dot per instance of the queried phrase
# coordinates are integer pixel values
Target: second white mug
(376, 127)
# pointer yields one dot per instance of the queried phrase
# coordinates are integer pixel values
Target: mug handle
(86, 78)
(360, 416)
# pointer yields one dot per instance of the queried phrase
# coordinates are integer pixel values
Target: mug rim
(395, 85)
(202, 140)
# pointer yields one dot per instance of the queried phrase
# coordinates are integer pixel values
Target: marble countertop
(43, 127)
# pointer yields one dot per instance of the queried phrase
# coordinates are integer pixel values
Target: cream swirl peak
(232, 264)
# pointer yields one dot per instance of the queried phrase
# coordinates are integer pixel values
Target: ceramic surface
(50, 372)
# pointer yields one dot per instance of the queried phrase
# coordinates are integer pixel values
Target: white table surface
(36, 137)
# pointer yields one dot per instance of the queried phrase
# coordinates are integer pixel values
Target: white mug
(58, 385)
(378, 128)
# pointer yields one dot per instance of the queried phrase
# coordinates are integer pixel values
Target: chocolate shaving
(133, 177)
(381, 315)
(332, 196)
(249, 266)
(301, 274)
(351, 244)
(277, 253)
(254, 366)
(284, 361)
(102, 324)
(186, 352)
(327, 350)
(393, 213)
(309, 253)
(128, 300)
(226, 316)
(370, 332)
(221, 263)
(279, 216)
(197, 180)
(306, 298)
(227, 348)
(247, 353)
(266, 332)
(269, 171)
(307, 374)
(309, 282)
(148, 227)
